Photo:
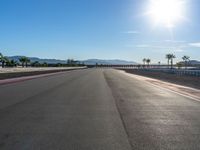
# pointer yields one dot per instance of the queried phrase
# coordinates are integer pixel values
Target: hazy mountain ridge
(111, 62)
(194, 62)
(87, 62)
(33, 59)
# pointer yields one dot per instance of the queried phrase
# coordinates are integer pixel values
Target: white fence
(178, 72)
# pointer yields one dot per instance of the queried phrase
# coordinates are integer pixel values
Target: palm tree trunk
(3, 64)
(171, 63)
(168, 63)
(185, 65)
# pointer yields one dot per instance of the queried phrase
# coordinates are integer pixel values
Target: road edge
(179, 92)
(25, 78)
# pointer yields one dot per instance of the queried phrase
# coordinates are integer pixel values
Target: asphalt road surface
(95, 109)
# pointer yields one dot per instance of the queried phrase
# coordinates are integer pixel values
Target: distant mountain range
(87, 62)
(33, 59)
(194, 62)
(110, 62)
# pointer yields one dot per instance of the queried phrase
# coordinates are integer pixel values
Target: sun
(166, 12)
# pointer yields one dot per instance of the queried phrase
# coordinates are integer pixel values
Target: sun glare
(166, 12)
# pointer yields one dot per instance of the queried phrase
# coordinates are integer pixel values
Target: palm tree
(22, 60)
(13, 63)
(1, 59)
(186, 59)
(172, 57)
(159, 63)
(148, 61)
(144, 61)
(168, 57)
(27, 60)
(4, 60)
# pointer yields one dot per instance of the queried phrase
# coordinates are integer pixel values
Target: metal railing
(180, 72)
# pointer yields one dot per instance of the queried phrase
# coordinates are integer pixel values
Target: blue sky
(106, 29)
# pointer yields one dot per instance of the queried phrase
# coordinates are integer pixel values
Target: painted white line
(182, 93)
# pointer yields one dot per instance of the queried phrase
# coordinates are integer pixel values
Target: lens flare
(166, 12)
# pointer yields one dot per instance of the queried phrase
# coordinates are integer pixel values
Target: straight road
(95, 109)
